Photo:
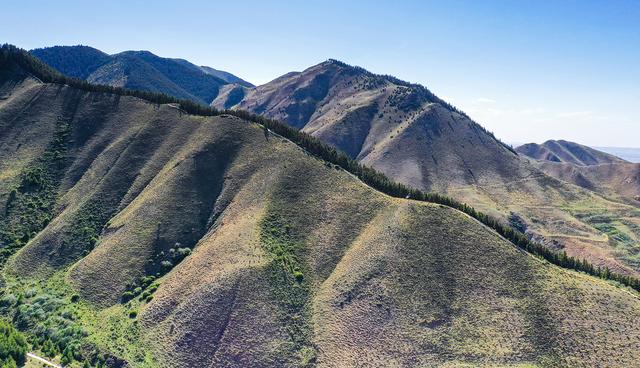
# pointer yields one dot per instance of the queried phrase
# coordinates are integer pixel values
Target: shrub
(67, 356)
(181, 253)
(166, 265)
(127, 295)
(49, 349)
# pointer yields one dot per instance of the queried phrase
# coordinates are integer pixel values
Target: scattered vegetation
(289, 287)
(373, 178)
(30, 206)
(49, 319)
(57, 325)
(280, 243)
(144, 288)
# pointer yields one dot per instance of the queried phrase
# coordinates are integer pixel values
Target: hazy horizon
(529, 72)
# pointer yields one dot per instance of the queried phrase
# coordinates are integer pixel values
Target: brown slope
(414, 137)
(386, 282)
(364, 114)
(569, 152)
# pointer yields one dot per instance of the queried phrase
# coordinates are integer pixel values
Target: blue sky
(527, 70)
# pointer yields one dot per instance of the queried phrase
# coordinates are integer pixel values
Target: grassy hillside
(413, 137)
(182, 240)
(614, 179)
(140, 70)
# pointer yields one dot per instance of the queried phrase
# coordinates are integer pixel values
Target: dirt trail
(43, 360)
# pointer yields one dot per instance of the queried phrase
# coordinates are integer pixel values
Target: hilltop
(140, 70)
(167, 239)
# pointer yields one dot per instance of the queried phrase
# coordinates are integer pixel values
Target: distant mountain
(569, 152)
(137, 70)
(587, 167)
(74, 61)
(610, 178)
(399, 128)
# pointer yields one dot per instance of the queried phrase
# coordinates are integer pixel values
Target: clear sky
(527, 70)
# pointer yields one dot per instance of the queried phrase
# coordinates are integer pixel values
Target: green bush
(49, 349)
(67, 356)
(127, 295)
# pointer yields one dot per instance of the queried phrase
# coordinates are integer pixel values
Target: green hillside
(136, 233)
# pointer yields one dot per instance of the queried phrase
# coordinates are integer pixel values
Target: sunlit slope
(293, 262)
(415, 138)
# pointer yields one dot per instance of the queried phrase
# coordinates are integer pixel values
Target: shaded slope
(569, 152)
(297, 263)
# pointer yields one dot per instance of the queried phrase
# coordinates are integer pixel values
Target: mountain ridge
(410, 135)
(292, 272)
(586, 167)
(138, 70)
